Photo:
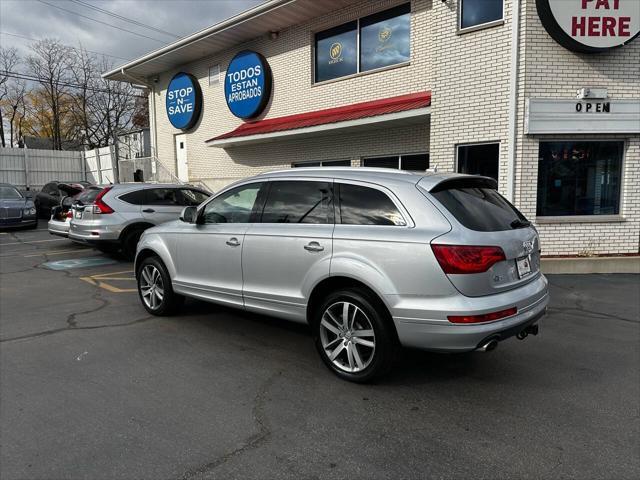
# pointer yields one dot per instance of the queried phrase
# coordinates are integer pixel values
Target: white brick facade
(468, 75)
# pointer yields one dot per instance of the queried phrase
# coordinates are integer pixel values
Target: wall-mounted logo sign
(335, 53)
(590, 26)
(184, 101)
(247, 84)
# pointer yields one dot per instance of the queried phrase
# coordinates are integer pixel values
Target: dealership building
(543, 95)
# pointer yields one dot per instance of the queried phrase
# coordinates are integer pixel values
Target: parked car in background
(51, 195)
(369, 258)
(16, 209)
(61, 215)
(120, 213)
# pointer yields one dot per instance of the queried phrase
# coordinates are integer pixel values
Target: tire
(130, 242)
(370, 334)
(155, 289)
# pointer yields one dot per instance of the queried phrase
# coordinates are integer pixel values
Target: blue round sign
(247, 84)
(184, 101)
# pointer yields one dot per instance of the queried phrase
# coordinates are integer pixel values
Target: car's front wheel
(155, 289)
(354, 336)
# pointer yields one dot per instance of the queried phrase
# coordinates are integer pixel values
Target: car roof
(385, 176)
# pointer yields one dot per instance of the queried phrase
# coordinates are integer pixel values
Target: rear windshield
(88, 196)
(480, 208)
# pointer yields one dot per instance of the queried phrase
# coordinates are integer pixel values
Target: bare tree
(50, 63)
(15, 102)
(9, 59)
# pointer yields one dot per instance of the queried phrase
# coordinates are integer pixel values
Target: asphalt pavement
(92, 387)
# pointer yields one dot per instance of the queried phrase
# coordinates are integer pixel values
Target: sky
(37, 19)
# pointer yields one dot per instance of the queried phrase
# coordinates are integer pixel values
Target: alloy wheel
(347, 337)
(151, 287)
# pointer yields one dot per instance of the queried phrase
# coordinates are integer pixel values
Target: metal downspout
(513, 100)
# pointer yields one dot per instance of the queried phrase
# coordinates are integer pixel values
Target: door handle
(314, 247)
(233, 242)
(148, 210)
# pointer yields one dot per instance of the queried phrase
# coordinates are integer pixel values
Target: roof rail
(326, 169)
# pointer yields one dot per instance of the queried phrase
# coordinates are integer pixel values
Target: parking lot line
(27, 242)
(99, 280)
(59, 252)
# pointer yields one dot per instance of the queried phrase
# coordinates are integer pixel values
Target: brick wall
(468, 74)
(548, 70)
(290, 57)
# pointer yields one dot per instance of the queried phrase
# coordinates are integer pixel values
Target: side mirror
(189, 214)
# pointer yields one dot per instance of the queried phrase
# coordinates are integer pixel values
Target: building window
(579, 178)
(337, 52)
(474, 13)
(214, 75)
(377, 41)
(329, 163)
(385, 38)
(479, 159)
(414, 161)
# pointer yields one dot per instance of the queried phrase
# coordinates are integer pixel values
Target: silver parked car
(370, 258)
(61, 216)
(119, 213)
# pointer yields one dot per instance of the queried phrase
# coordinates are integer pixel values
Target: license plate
(78, 214)
(524, 266)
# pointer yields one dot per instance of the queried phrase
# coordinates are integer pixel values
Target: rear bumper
(439, 334)
(87, 233)
(61, 229)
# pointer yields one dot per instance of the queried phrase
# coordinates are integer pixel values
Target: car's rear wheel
(155, 289)
(353, 335)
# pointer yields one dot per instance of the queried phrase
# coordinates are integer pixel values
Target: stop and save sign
(184, 101)
(590, 26)
(247, 84)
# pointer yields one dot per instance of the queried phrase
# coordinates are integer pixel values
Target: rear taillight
(461, 259)
(99, 206)
(69, 214)
(486, 317)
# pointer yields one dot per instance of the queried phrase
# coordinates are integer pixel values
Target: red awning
(331, 115)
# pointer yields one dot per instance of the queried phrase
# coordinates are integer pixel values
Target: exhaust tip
(489, 346)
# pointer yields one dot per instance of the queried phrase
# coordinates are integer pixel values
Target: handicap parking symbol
(79, 263)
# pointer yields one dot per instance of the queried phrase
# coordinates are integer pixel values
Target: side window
(192, 198)
(299, 202)
(234, 206)
(367, 206)
(162, 196)
(134, 198)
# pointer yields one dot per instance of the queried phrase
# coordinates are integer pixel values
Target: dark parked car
(16, 210)
(51, 195)
(62, 214)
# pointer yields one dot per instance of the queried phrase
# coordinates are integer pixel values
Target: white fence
(31, 169)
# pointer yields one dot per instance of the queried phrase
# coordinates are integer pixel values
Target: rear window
(88, 196)
(136, 197)
(480, 208)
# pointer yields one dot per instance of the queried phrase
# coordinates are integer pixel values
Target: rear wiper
(517, 223)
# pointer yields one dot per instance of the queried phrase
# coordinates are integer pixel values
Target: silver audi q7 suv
(371, 259)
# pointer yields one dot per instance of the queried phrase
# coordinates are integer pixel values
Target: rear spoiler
(438, 183)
